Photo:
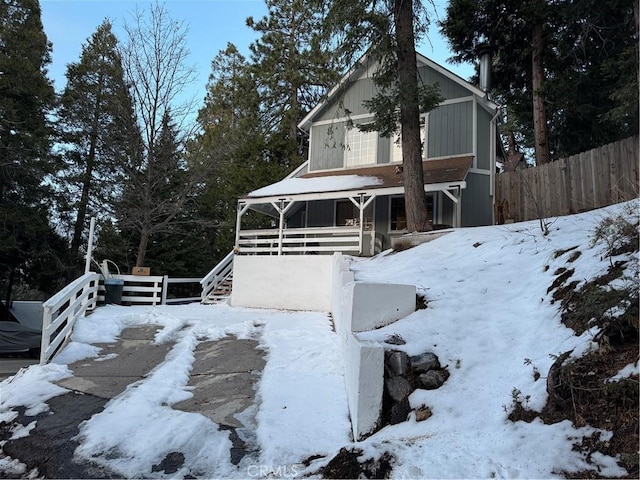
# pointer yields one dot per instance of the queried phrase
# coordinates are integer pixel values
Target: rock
(398, 388)
(399, 412)
(397, 364)
(395, 339)
(423, 413)
(432, 379)
(425, 362)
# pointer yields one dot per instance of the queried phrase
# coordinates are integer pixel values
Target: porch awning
(439, 174)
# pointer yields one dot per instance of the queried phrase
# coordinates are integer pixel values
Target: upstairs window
(396, 144)
(360, 148)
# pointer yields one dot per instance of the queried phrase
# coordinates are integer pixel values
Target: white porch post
(281, 227)
(281, 209)
(456, 205)
(361, 204)
(242, 208)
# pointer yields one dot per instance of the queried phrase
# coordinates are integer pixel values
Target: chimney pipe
(485, 69)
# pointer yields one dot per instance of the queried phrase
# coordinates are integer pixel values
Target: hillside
(538, 333)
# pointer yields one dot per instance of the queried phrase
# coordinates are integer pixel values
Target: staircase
(221, 293)
(217, 284)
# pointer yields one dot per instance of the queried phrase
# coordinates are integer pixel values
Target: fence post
(44, 343)
(165, 286)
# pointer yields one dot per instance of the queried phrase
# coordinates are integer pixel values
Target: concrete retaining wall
(358, 307)
(292, 282)
(325, 283)
(364, 378)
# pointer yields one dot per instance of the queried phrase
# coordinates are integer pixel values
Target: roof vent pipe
(485, 69)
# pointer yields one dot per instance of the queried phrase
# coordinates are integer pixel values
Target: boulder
(397, 364)
(432, 379)
(398, 388)
(424, 362)
(399, 412)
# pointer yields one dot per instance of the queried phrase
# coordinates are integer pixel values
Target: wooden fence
(603, 176)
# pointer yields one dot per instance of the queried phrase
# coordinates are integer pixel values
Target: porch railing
(63, 310)
(217, 275)
(300, 240)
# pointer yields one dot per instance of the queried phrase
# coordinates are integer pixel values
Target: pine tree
(293, 66)
(235, 142)
(26, 97)
(388, 31)
(569, 66)
(27, 241)
(97, 123)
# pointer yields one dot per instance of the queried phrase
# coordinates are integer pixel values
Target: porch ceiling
(439, 174)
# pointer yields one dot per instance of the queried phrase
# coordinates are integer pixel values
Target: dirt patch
(581, 390)
(346, 464)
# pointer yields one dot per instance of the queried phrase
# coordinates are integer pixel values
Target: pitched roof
(353, 72)
(438, 171)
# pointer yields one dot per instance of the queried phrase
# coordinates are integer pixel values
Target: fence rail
(63, 310)
(300, 240)
(603, 176)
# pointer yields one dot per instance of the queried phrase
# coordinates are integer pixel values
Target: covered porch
(349, 211)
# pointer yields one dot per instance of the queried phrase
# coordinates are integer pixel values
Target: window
(346, 214)
(398, 217)
(360, 148)
(396, 146)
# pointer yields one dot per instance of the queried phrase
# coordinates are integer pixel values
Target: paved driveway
(222, 381)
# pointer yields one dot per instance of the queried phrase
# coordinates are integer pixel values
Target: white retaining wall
(292, 282)
(325, 283)
(358, 307)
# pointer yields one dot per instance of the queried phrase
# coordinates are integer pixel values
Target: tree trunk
(415, 200)
(540, 132)
(142, 247)
(88, 173)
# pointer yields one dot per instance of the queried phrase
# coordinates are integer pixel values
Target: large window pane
(360, 148)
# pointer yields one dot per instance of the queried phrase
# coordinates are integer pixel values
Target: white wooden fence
(63, 309)
(72, 302)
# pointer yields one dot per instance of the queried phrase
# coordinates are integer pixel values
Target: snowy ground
(489, 319)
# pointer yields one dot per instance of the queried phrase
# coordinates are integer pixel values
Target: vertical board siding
(448, 88)
(603, 176)
(450, 130)
(327, 147)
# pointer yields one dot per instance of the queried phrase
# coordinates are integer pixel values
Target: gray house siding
(484, 140)
(450, 130)
(320, 213)
(326, 151)
(448, 89)
(477, 205)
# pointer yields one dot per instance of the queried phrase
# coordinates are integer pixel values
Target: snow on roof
(291, 186)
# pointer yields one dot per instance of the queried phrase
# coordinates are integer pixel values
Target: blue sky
(211, 24)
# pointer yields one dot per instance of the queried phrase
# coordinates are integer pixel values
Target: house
(348, 195)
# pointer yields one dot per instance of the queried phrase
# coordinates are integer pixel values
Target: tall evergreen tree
(235, 143)
(389, 30)
(26, 97)
(97, 124)
(569, 66)
(294, 67)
